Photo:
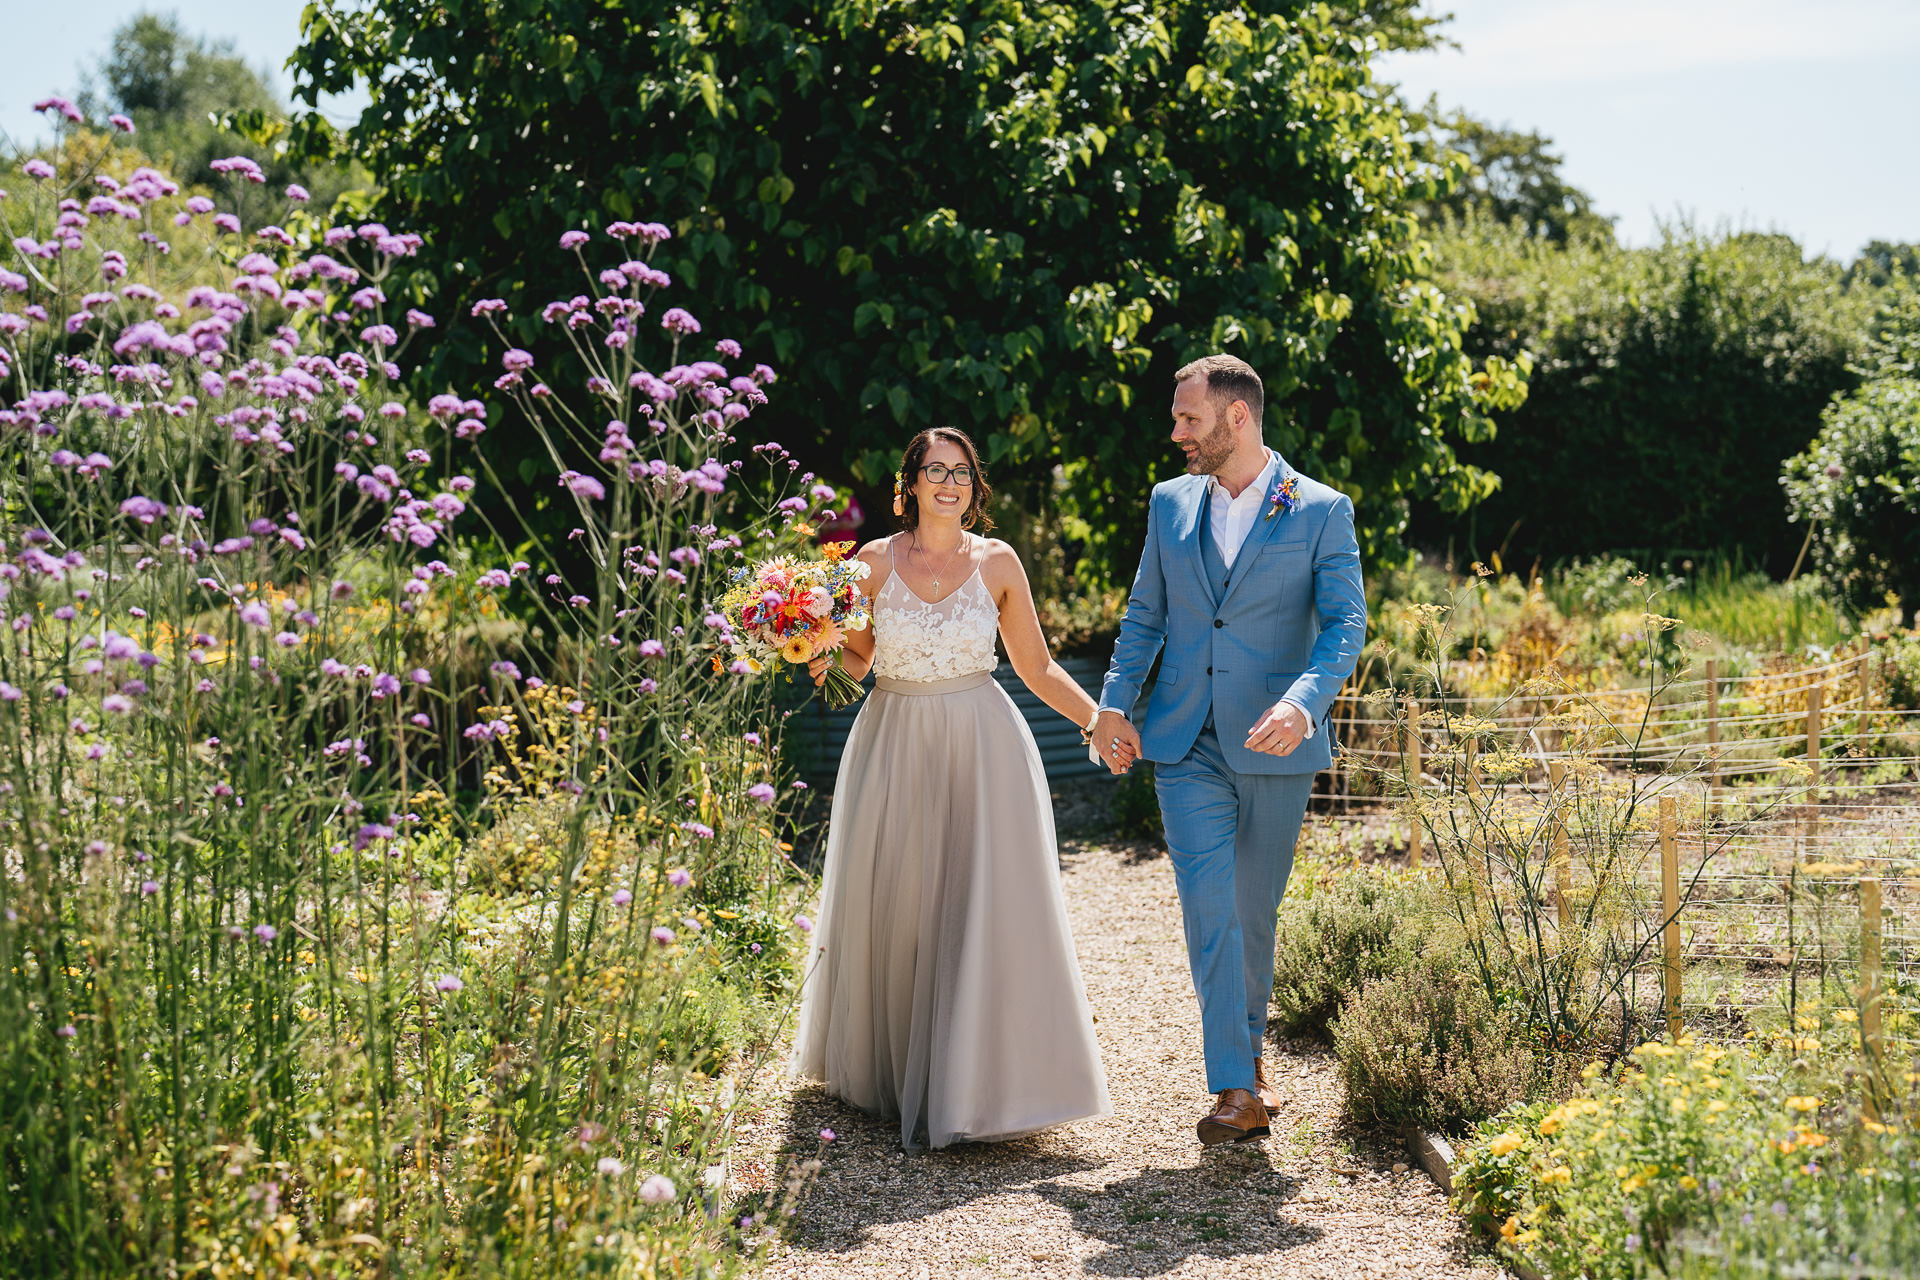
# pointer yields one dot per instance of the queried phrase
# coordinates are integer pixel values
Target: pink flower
(678, 321)
(662, 935)
(515, 360)
(573, 239)
(621, 897)
(761, 792)
(120, 122)
(803, 924)
(658, 1189)
(448, 982)
(679, 877)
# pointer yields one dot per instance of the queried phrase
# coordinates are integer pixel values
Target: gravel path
(1132, 1195)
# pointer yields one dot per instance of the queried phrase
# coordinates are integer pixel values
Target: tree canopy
(1018, 218)
(1513, 177)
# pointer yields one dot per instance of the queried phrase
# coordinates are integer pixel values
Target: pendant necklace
(943, 568)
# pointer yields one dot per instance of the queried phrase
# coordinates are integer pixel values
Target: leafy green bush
(922, 225)
(1338, 935)
(1669, 384)
(1696, 1160)
(1859, 482)
(1136, 806)
(1427, 1047)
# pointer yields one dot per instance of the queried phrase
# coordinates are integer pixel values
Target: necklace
(943, 568)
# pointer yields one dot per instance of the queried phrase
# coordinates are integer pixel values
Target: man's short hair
(1229, 378)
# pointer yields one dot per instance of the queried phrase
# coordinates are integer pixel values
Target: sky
(1768, 115)
(1761, 115)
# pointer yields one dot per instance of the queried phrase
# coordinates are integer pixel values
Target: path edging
(1435, 1155)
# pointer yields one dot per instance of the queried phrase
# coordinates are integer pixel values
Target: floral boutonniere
(1285, 496)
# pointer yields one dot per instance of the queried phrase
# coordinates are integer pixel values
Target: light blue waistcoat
(1288, 620)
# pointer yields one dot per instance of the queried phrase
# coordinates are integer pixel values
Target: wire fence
(1777, 819)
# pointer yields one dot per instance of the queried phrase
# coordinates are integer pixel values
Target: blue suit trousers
(1231, 838)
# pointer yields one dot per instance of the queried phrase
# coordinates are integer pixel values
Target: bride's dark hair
(916, 456)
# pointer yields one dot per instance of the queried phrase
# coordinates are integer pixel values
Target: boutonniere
(1285, 496)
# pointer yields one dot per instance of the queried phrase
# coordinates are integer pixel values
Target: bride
(942, 989)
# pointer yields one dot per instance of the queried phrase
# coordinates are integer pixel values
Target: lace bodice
(915, 640)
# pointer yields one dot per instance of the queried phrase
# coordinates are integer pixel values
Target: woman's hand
(828, 654)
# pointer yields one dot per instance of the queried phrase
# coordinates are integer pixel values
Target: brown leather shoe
(1236, 1117)
(1264, 1091)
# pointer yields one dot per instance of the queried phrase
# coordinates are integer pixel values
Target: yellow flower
(1550, 1125)
(1505, 1143)
(1591, 1070)
(1510, 1228)
(1689, 1183)
(1804, 1103)
(797, 649)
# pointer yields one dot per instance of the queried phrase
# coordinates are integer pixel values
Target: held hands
(1278, 732)
(1117, 741)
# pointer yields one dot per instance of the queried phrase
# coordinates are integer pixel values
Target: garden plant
(376, 898)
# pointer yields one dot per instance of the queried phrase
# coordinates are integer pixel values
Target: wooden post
(1670, 904)
(1472, 751)
(1870, 1034)
(1562, 858)
(1713, 734)
(1412, 749)
(1815, 693)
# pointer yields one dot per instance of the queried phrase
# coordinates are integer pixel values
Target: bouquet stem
(839, 689)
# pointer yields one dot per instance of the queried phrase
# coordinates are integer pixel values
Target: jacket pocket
(1167, 675)
(1281, 683)
(1293, 547)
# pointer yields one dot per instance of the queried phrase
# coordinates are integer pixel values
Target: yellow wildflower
(1505, 1143)
(1689, 1183)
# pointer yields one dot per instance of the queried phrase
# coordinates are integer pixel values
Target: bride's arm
(1026, 645)
(857, 654)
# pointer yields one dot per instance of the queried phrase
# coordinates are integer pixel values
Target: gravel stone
(1132, 1195)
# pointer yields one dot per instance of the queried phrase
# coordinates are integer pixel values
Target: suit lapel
(1190, 535)
(1257, 536)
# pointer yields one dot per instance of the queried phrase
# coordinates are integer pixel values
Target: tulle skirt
(942, 988)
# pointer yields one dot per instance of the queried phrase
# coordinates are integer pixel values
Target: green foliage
(1859, 482)
(190, 99)
(1427, 1046)
(1698, 1161)
(1016, 218)
(1514, 179)
(1353, 928)
(1136, 805)
(1669, 385)
(1884, 261)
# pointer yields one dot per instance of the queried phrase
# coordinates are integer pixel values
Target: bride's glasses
(938, 472)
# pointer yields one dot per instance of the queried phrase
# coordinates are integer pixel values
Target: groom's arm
(1144, 630)
(1340, 599)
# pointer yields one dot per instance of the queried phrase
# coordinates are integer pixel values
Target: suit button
(1219, 623)
(1209, 670)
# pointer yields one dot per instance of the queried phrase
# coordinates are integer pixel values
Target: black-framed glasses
(938, 473)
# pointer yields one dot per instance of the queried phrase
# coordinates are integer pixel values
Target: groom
(1250, 583)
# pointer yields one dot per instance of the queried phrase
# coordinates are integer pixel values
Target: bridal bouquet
(795, 610)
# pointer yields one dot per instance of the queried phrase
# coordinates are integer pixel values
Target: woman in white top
(942, 988)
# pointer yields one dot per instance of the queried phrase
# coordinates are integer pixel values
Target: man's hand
(1117, 741)
(1278, 732)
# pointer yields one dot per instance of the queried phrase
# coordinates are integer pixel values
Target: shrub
(1428, 1047)
(1694, 1160)
(272, 994)
(1136, 805)
(1859, 482)
(1338, 935)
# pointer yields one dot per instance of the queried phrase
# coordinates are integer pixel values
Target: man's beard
(1211, 451)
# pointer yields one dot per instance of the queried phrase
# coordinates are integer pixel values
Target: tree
(1513, 177)
(1858, 483)
(1019, 218)
(1669, 385)
(1884, 260)
(194, 100)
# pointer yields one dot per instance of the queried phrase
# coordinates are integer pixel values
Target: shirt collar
(1259, 487)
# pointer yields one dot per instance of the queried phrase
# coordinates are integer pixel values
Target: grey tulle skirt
(942, 988)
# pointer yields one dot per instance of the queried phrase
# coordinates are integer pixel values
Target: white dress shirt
(1231, 519)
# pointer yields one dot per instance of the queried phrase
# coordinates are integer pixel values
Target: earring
(899, 496)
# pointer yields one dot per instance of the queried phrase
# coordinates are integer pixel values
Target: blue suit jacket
(1291, 625)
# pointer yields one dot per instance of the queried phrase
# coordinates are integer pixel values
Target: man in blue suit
(1249, 591)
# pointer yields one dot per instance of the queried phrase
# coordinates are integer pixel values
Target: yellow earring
(899, 496)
